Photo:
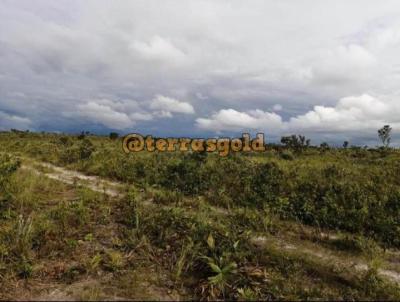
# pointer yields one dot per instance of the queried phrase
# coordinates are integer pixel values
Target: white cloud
(351, 114)
(168, 105)
(230, 120)
(354, 113)
(158, 49)
(347, 63)
(126, 113)
(106, 115)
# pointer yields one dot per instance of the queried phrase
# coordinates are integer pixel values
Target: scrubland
(318, 223)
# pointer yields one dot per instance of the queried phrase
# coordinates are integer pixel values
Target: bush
(287, 155)
(69, 155)
(65, 140)
(8, 165)
(184, 174)
(81, 150)
(86, 148)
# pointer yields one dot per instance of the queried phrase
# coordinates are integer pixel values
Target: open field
(79, 219)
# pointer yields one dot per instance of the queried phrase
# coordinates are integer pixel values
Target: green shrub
(81, 150)
(287, 155)
(8, 166)
(183, 174)
(86, 148)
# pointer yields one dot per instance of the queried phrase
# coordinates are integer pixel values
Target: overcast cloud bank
(326, 69)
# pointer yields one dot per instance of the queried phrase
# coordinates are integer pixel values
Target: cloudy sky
(330, 70)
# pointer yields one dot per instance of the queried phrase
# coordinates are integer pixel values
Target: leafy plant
(224, 271)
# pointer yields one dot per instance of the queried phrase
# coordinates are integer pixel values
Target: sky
(204, 68)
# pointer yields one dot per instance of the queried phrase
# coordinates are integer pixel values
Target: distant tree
(385, 135)
(296, 142)
(113, 135)
(82, 135)
(345, 144)
(324, 146)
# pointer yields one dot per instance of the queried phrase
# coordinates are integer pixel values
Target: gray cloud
(9, 121)
(80, 63)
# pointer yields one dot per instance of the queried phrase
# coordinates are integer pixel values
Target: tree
(345, 144)
(296, 142)
(113, 135)
(82, 135)
(324, 146)
(385, 135)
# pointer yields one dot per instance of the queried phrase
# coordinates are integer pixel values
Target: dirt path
(114, 189)
(327, 256)
(94, 183)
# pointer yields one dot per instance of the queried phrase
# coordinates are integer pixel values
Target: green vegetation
(197, 225)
